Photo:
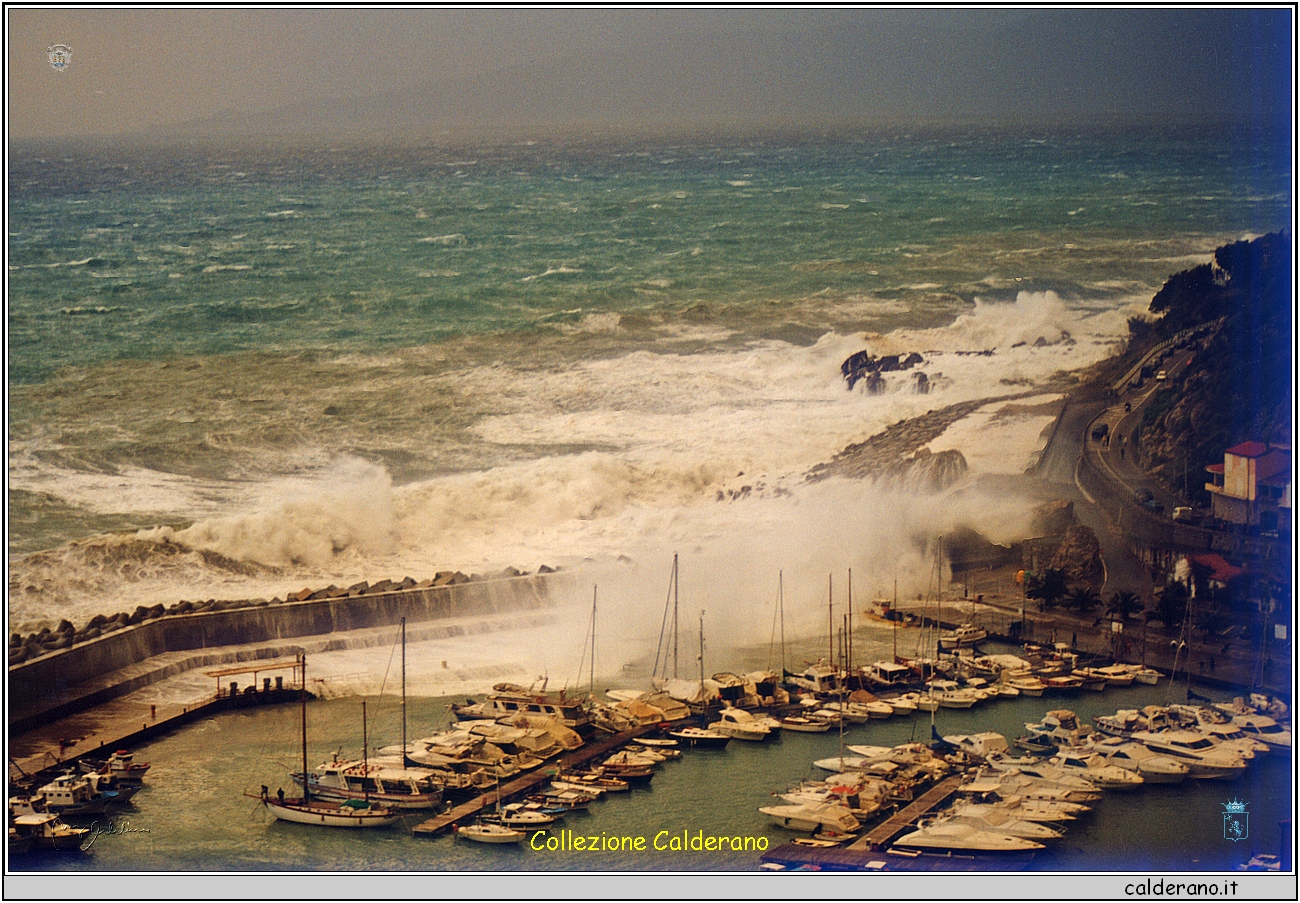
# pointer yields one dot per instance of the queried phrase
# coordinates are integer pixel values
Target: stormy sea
(235, 371)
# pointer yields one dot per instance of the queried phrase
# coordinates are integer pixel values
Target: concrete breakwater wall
(53, 674)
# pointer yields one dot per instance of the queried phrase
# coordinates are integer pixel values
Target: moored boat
(966, 837)
(700, 737)
(965, 635)
(814, 817)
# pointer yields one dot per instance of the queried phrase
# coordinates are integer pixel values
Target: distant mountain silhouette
(1051, 67)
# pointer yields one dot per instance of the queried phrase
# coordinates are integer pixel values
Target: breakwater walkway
(541, 774)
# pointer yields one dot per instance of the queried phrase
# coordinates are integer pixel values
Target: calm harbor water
(192, 815)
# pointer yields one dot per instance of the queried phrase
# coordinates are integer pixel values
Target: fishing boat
(965, 635)
(70, 794)
(44, 831)
(1063, 683)
(1118, 675)
(121, 766)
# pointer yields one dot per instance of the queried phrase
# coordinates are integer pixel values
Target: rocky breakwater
(45, 668)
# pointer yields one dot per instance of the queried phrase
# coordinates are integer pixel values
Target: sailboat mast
(780, 598)
(701, 648)
(894, 612)
(674, 616)
(593, 642)
(302, 699)
(849, 627)
(365, 755)
(403, 691)
(830, 617)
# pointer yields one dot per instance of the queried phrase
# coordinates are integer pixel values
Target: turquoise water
(192, 815)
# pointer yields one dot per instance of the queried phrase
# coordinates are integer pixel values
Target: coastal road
(1057, 470)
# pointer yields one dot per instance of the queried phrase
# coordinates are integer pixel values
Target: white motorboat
(998, 822)
(740, 725)
(507, 700)
(1097, 771)
(1148, 676)
(1264, 729)
(1204, 760)
(517, 815)
(1025, 683)
(703, 738)
(841, 764)
(983, 744)
(814, 817)
(1118, 675)
(488, 832)
(1015, 783)
(923, 701)
(1154, 768)
(1059, 727)
(1024, 809)
(965, 635)
(951, 696)
(901, 706)
(804, 725)
(855, 713)
(958, 836)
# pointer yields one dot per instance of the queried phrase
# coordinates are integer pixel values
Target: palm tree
(1048, 588)
(1123, 604)
(1082, 598)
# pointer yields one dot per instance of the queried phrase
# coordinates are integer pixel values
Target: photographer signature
(124, 828)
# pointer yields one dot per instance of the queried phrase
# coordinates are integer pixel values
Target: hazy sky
(136, 70)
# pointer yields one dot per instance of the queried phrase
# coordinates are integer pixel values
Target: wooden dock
(887, 830)
(540, 775)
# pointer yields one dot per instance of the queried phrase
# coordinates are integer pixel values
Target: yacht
(983, 744)
(507, 700)
(1096, 770)
(1018, 807)
(960, 836)
(1154, 768)
(1264, 729)
(814, 817)
(998, 821)
(1060, 727)
(1204, 760)
(1148, 676)
(739, 724)
(800, 724)
(1013, 783)
(901, 706)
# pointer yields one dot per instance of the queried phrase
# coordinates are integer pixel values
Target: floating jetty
(539, 775)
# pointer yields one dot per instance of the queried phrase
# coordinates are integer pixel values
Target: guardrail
(1181, 336)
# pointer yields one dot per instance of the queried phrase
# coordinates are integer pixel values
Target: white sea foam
(701, 453)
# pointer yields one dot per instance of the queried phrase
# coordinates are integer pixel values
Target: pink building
(1252, 486)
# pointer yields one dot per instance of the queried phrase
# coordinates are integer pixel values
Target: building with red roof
(1252, 486)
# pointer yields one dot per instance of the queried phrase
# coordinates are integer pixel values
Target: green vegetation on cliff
(1239, 387)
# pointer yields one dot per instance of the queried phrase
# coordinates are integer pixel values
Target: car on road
(1161, 376)
(1099, 431)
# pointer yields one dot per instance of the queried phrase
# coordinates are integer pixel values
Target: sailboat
(351, 813)
(490, 829)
